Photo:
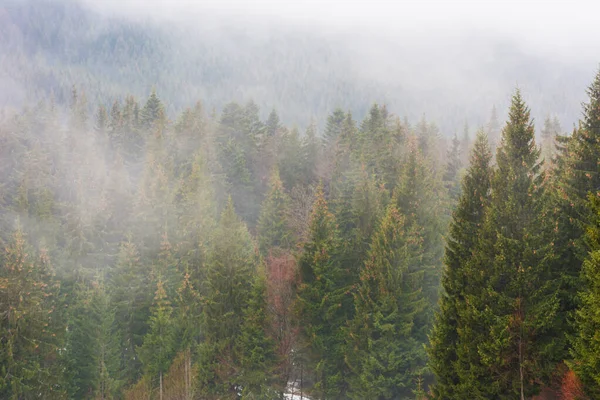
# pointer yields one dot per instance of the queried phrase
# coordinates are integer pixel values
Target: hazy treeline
(46, 46)
(225, 256)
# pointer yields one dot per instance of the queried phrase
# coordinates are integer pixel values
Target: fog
(557, 27)
(451, 61)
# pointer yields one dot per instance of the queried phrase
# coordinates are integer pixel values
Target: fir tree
(29, 355)
(461, 242)
(322, 300)
(152, 112)
(581, 177)
(453, 167)
(156, 352)
(383, 353)
(273, 229)
(512, 316)
(255, 351)
(129, 293)
(227, 290)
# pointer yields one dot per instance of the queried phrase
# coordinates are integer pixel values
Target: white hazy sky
(567, 27)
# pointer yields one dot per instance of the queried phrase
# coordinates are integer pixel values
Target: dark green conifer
(461, 241)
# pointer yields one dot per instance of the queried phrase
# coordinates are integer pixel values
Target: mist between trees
(218, 256)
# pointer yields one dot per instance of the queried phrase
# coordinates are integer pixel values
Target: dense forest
(220, 256)
(158, 247)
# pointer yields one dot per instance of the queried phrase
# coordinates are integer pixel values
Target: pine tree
(188, 319)
(511, 318)
(91, 343)
(585, 344)
(493, 130)
(581, 177)
(273, 229)
(419, 199)
(453, 167)
(227, 287)
(152, 112)
(129, 293)
(461, 241)
(322, 302)
(30, 363)
(255, 351)
(156, 352)
(465, 145)
(383, 353)
(272, 125)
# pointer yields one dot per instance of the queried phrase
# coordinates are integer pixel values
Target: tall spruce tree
(157, 350)
(30, 362)
(383, 352)
(322, 300)
(453, 167)
(511, 319)
(461, 241)
(582, 177)
(254, 349)
(273, 228)
(231, 264)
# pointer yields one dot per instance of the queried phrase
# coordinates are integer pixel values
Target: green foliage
(461, 241)
(227, 290)
(30, 329)
(512, 312)
(255, 351)
(158, 346)
(323, 302)
(586, 361)
(384, 353)
(92, 344)
(129, 289)
(273, 228)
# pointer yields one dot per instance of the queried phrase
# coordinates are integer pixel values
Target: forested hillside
(47, 46)
(225, 256)
(194, 216)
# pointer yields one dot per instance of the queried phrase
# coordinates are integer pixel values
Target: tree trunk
(161, 387)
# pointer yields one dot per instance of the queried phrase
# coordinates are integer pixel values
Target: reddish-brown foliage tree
(571, 387)
(281, 279)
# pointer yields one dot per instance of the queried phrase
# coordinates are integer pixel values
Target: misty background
(449, 62)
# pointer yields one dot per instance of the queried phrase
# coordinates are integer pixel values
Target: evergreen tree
(227, 290)
(188, 319)
(460, 243)
(322, 300)
(272, 125)
(152, 112)
(156, 352)
(585, 344)
(581, 177)
(453, 167)
(255, 351)
(129, 293)
(334, 127)
(383, 353)
(493, 130)
(273, 229)
(419, 199)
(570, 212)
(30, 362)
(511, 318)
(465, 145)
(92, 348)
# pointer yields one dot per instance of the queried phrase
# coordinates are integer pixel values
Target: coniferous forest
(217, 256)
(150, 250)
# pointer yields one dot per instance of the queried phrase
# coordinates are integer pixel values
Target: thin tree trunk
(521, 350)
(161, 387)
